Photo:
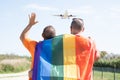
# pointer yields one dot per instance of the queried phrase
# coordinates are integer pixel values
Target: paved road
(15, 76)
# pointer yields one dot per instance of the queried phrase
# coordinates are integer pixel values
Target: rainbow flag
(64, 57)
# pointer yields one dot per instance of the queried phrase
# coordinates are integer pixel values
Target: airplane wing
(71, 16)
(59, 15)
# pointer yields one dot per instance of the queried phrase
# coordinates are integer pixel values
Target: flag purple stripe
(36, 61)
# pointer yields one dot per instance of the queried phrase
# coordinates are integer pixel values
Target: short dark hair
(49, 32)
(77, 23)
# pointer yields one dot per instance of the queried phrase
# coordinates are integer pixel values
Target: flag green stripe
(57, 58)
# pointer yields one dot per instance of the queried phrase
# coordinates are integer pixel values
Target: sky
(101, 18)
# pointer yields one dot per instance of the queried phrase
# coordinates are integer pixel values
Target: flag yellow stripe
(70, 68)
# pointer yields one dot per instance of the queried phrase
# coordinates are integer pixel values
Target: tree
(103, 53)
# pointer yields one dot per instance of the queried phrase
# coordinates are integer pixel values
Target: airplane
(65, 15)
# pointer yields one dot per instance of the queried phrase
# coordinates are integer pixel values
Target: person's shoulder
(91, 40)
(86, 39)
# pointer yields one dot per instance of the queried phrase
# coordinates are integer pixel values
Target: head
(48, 32)
(77, 26)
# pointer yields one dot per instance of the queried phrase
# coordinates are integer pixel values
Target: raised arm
(28, 27)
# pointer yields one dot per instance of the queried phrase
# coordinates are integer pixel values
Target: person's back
(88, 52)
(30, 44)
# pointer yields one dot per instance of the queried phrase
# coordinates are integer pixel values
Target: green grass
(98, 75)
(14, 63)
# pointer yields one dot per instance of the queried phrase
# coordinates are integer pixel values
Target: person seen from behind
(89, 53)
(48, 33)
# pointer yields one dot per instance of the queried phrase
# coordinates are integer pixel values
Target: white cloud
(87, 10)
(116, 9)
(38, 7)
(83, 10)
(115, 12)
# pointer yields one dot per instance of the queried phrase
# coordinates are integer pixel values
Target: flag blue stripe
(45, 60)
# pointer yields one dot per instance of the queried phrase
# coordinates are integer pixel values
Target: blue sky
(101, 17)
